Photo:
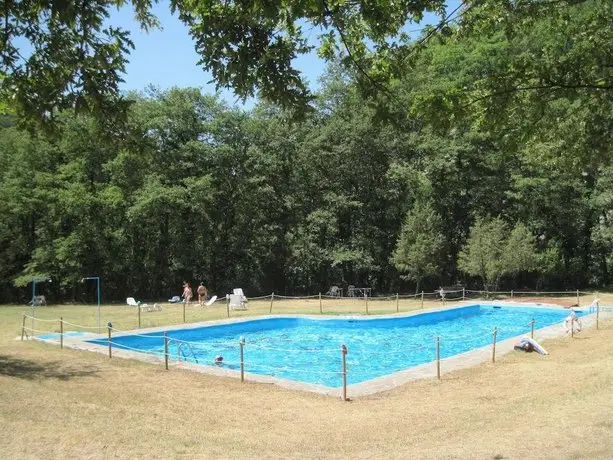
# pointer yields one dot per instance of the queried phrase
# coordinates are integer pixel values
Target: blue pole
(98, 282)
(97, 278)
(33, 296)
(34, 280)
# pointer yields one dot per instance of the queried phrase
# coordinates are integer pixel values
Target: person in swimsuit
(202, 293)
(187, 292)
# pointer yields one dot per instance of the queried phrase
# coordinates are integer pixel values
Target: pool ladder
(181, 351)
(592, 309)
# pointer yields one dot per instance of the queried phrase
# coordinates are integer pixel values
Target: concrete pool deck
(423, 371)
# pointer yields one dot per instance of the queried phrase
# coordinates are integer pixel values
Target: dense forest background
(487, 162)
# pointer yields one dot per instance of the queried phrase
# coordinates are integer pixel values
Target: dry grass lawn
(72, 404)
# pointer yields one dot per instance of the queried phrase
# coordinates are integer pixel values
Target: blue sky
(166, 58)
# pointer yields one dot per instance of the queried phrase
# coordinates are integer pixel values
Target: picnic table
(456, 289)
(335, 291)
(353, 291)
(38, 300)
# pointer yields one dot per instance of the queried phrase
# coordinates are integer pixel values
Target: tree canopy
(420, 249)
(388, 188)
(58, 54)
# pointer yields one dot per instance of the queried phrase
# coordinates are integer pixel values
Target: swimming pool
(308, 349)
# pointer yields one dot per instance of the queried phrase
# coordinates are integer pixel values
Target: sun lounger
(132, 302)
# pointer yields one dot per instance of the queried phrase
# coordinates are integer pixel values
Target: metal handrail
(181, 351)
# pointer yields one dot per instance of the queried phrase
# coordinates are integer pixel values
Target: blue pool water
(309, 350)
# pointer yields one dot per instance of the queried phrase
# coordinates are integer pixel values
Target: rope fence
(340, 304)
(174, 350)
(331, 302)
(164, 350)
(79, 325)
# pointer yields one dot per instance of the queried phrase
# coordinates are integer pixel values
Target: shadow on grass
(30, 370)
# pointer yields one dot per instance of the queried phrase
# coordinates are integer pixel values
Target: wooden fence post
(109, 327)
(166, 350)
(61, 332)
(138, 308)
(494, 345)
(578, 298)
(242, 345)
(511, 293)
(438, 357)
(23, 327)
(228, 306)
(272, 299)
(366, 299)
(463, 293)
(344, 371)
(422, 299)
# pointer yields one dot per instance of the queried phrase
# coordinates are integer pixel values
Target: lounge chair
(132, 302)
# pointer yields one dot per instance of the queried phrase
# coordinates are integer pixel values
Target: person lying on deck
(524, 345)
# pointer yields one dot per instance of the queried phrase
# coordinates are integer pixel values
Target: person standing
(202, 293)
(187, 292)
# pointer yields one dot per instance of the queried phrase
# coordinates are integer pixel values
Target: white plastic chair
(147, 307)
(239, 292)
(236, 302)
